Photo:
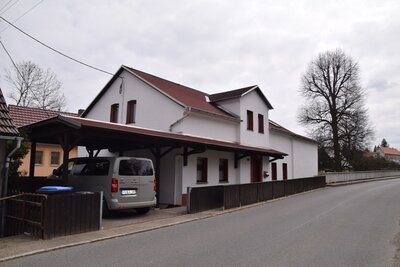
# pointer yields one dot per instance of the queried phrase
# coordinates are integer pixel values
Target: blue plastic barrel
(54, 189)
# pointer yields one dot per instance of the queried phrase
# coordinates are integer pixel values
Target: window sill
(224, 182)
(202, 183)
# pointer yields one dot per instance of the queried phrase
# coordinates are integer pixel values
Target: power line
(5, 5)
(26, 12)
(54, 50)
(13, 4)
(22, 77)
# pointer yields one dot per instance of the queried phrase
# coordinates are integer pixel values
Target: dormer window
(114, 113)
(131, 112)
(250, 120)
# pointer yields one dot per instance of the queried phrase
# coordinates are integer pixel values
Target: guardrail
(232, 196)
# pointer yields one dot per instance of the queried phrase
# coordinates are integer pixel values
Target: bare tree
(335, 105)
(34, 87)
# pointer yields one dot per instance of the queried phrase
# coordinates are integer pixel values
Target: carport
(97, 135)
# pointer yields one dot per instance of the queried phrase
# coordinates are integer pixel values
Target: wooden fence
(232, 196)
(50, 215)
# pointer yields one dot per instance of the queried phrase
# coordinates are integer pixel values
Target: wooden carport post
(32, 159)
(67, 145)
(157, 155)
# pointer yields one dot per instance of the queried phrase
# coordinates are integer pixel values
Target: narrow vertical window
(114, 113)
(131, 111)
(201, 170)
(250, 120)
(284, 171)
(223, 170)
(260, 123)
(39, 157)
(273, 171)
(55, 158)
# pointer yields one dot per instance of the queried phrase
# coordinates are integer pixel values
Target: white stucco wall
(302, 159)
(305, 160)
(189, 171)
(253, 102)
(209, 127)
(153, 109)
(233, 105)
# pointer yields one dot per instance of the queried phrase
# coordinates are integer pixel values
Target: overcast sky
(214, 46)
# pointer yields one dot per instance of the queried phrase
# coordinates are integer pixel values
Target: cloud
(216, 46)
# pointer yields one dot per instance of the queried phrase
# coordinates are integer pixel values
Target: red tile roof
(7, 126)
(183, 95)
(278, 128)
(390, 151)
(97, 128)
(27, 115)
(186, 96)
(232, 94)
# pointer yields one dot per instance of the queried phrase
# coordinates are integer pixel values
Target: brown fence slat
(278, 189)
(205, 198)
(248, 194)
(265, 192)
(231, 196)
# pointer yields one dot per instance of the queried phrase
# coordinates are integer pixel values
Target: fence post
(188, 191)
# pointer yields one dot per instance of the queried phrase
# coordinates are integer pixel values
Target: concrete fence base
(338, 177)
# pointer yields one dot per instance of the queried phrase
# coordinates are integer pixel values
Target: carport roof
(101, 135)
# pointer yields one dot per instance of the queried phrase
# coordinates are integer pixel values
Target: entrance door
(256, 169)
(273, 171)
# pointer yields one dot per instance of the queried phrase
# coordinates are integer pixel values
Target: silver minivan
(126, 182)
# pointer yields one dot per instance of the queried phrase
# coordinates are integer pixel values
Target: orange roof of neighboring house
(7, 126)
(390, 151)
(27, 115)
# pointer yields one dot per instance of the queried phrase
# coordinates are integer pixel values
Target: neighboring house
(239, 117)
(48, 156)
(389, 153)
(8, 131)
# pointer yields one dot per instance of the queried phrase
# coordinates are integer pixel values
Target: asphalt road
(353, 225)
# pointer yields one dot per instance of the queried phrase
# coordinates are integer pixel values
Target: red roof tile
(278, 128)
(7, 126)
(390, 151)
(27, 115)
(97, 126)
(186, 96)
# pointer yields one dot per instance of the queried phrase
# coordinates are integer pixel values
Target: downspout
(5, 185)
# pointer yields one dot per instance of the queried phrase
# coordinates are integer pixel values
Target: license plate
(128, 192)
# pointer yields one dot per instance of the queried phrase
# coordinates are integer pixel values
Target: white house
(236, 121)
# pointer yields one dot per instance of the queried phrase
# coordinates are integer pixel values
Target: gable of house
(164, 105)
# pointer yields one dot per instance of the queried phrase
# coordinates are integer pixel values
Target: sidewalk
(120, 225)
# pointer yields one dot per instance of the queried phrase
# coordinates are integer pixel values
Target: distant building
(389, 153)
(48, 156)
